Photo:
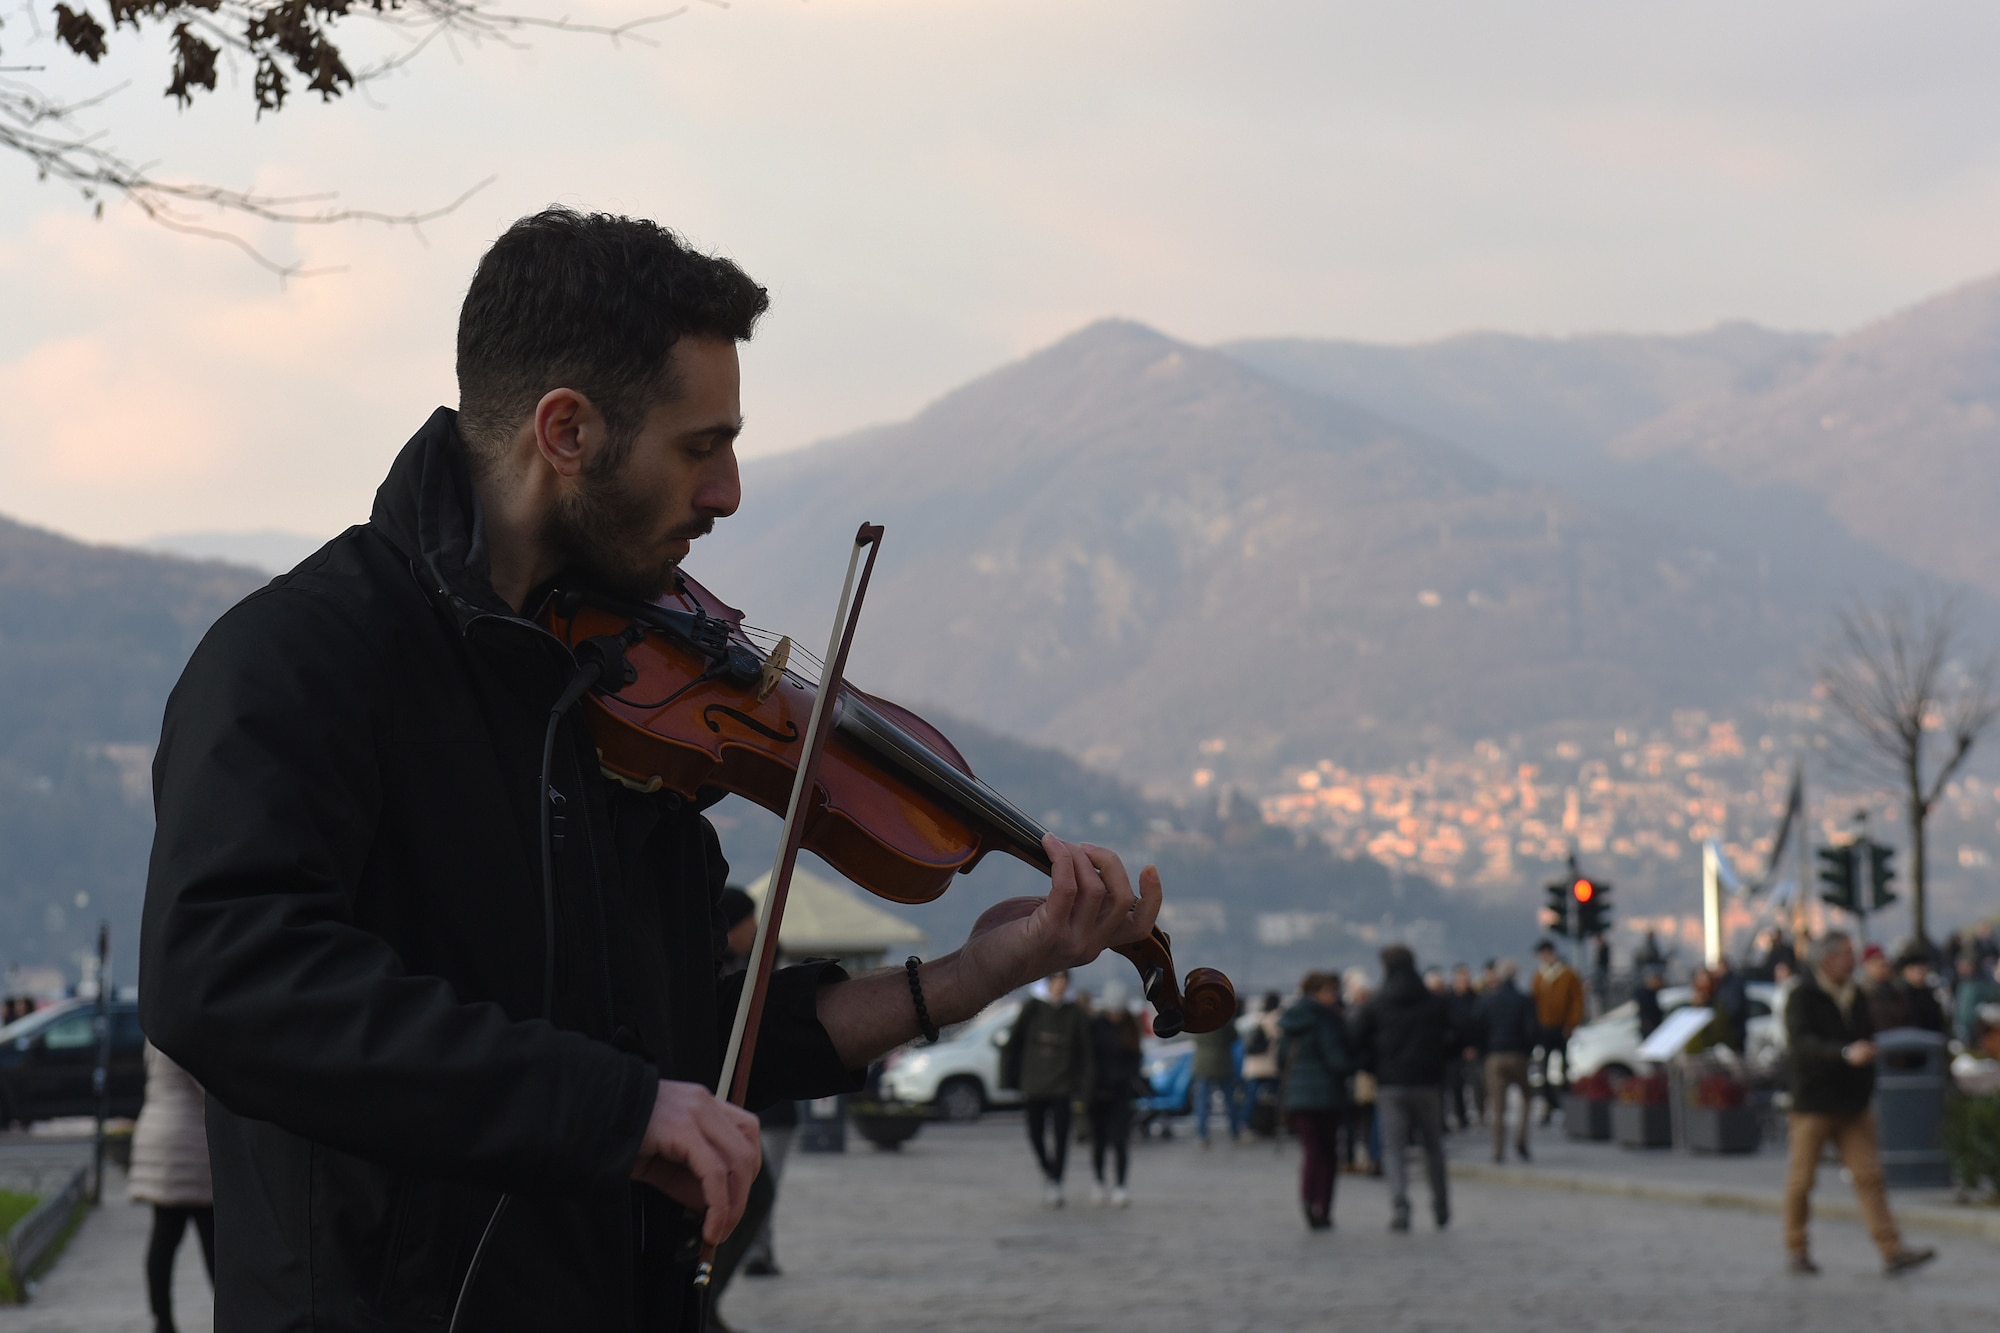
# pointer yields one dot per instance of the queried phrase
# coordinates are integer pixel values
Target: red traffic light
(1583, 890)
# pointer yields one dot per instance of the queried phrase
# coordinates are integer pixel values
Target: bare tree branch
(1890, 679)
(283, 39)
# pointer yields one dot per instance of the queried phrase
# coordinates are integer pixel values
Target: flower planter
(1586, 1120)
(1721, 1129)
(886, 1125)
(1637, 1125)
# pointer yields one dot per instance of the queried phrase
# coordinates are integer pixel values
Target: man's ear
(568, 430)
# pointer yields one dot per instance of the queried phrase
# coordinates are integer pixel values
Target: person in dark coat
(1647, 1001)
(1830, 1034)
(1904, 999)
(1510, 1029)
(1404, 1035)
(453, 1080)
(1114, 1041)
(1050, 1044)
(1313, 1058)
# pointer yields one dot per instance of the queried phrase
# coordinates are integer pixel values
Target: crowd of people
(1359, 1068)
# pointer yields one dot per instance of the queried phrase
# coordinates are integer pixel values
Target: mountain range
(1188, 567)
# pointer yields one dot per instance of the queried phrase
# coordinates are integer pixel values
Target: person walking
(1833, 1079)
(1404, 1035)
(1114, 1044)
(1558, 995)
(170, 1172)
(1647, 1001)
(1260, 1067)
(1974, 991)
(1461, 1073)
(1313, 1058)
(1215, 1071)
(1051, 1043)
(1509, 1031)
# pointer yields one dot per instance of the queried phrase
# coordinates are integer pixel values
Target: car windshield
(35, 1022)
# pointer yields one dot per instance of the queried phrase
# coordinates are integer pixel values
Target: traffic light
(1881, 869)
(1593, 907)
(1836, 871)
(1557, 910)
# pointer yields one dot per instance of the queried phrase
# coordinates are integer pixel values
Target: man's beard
(601, 529)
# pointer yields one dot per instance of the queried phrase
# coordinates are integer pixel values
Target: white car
(959, 1077)
(1610, 1044)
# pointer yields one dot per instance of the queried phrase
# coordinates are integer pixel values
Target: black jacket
(1467, 1029)
(1817, 1031)
(1404, 1034)
(1508, 1022)
(344, 937)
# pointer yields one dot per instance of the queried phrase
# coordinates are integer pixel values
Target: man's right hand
(1859, 1053)
(702, 1153)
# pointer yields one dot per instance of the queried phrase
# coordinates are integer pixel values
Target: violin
(894, 806)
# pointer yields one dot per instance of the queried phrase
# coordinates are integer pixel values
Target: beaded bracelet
(929, 1029)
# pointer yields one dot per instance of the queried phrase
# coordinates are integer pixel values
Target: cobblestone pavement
(949, 1234)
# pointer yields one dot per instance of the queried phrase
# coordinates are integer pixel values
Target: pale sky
(933, 187)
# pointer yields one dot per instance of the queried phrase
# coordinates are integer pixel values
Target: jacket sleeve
(1573, 1011)
(255, 977)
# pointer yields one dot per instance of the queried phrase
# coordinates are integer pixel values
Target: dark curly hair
(590, 302)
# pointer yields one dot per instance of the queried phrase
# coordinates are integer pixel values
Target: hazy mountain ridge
(91, 640)
(1894, 429)
(1123, 529)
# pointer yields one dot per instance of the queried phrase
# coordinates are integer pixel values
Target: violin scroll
(1206, 1002)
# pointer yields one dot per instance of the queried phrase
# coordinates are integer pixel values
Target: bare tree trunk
(1918, 816)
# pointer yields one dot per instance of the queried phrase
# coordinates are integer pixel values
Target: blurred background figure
(1114, 1042)
(1510, 1030)
(1905, 999)
(1647, 1001)
(1363, 1144)
(1260, 1067)
(1462, 1074)
(1216, 1073)
(1050, 1044)
(1313, 1055)
(1558, 995)
(170, 1172)
(1404, 1035)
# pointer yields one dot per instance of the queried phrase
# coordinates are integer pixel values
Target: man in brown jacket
(1558, 993)
(1831, 1037)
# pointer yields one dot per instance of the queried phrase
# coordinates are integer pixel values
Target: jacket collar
(426, 508)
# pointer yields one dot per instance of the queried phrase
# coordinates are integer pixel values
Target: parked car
(48, 1058)
(959, 1076)
(1610, 1044)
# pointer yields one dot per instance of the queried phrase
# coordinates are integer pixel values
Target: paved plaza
(949, 1234)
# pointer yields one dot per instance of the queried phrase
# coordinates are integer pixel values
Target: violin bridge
(774, 668)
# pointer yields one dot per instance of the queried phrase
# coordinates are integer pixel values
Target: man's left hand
(1090, 907)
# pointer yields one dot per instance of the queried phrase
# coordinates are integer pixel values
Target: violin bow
(734, 1084)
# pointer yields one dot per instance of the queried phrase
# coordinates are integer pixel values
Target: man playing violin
(448, 1088)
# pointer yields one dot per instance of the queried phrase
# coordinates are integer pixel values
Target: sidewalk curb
(1983, 1224)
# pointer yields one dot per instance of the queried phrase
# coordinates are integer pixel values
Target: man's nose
(721, 490)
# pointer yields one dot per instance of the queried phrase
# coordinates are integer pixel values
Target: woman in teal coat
(1313, 1057)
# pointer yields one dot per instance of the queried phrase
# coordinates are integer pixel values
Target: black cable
(597, 658)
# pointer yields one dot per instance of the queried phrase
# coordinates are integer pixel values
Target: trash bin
(823, 1125)
(1912, 1077)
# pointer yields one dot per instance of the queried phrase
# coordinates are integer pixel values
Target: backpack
(1259, 1043)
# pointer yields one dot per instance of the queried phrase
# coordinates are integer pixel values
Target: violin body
(894, 807)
